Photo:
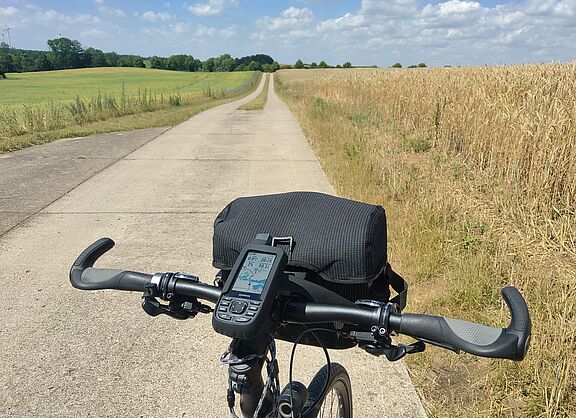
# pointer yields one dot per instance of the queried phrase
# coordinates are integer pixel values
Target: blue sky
(365, 32)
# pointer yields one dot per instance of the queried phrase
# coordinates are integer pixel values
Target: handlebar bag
(341, 240)
(338, 244)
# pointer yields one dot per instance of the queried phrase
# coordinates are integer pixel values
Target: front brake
(177, 308)
(378, 340)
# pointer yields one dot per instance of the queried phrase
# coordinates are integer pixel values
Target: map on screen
(254, 272)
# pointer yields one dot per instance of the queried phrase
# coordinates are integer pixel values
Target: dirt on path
(69, 353)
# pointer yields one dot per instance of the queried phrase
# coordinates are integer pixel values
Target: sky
(364, 32)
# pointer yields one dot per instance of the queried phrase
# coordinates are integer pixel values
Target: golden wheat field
(476, 168)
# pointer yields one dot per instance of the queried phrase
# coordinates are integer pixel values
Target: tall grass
(259, 101)
(18, 120)
(477, 170)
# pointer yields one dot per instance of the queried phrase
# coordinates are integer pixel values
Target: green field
(28, 88)
(44, 106)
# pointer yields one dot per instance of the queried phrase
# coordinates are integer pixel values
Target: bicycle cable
(328, 364)
(272, 381)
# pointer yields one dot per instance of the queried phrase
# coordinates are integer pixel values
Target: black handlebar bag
(337, 250)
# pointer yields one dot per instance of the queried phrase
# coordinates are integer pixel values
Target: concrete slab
(33, 178)
(69, 353)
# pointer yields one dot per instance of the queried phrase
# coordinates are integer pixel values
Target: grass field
(40, 107)
(476, 168)
(259, 101)
(65, 85)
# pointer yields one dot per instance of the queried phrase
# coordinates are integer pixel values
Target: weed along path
(72, 353)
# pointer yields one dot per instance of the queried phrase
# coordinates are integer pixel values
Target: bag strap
(399, 285)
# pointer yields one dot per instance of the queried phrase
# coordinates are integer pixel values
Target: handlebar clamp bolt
(374, 328)
(382, 331)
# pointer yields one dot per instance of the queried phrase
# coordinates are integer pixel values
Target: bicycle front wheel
(337, 401)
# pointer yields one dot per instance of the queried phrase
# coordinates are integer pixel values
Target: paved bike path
(70, 353)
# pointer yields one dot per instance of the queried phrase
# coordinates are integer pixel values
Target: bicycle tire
(339, 389)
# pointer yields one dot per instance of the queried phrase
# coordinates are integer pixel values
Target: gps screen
(254, 272)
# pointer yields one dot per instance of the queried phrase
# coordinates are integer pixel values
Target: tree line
(66, 53)
(225, 62)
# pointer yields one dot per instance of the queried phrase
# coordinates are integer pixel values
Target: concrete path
(69, 353)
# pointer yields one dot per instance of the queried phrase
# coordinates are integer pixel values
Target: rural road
(156, 192)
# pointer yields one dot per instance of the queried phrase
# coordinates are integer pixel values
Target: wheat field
(476, 168)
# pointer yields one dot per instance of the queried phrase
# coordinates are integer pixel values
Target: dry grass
(476, 168)
(260, 101)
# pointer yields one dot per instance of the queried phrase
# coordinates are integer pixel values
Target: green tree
(224, 62)
(323, 64)
(6, 62)
(299, 64)
(397, 65)
(208, 65)
(191, 64)
(347, 64)
(158, 62)
(112, 59)
(422, 65)
(254, 66)
(42, 63)
(94, 58)
(66, 53)
(313, 65)
(176, 63)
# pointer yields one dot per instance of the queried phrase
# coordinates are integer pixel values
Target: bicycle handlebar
(84, 277)
(509, 343)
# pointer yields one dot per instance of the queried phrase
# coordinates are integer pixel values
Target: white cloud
(95, 33)
(8, 11)
(290, 19)
(151, 16)
(212, 7)
(202, 31)
(410, 31)
(110, 11)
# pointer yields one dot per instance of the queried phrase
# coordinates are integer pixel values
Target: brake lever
(176, 308)
(394, 352)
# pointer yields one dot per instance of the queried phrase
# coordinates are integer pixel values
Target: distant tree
(323, 64)
(6, 62)
(224, 62)
(42, 63)
(158, 63)
(138, 62)
(397, 65)
(66, 53)
(259, 58)
(177, 63)
(191, 63)
(208, 65)
(94, 58)
(422, 65)
(338, 66)
(23, 62)
(270, 68)
(112, 59)
(313, 65)
(241, 67)
(413, 66)
(299, 64)
(347, 64)
(254, 66)
(131, 61)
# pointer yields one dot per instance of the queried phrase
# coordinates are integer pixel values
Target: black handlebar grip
(83, 276)
(510, 343)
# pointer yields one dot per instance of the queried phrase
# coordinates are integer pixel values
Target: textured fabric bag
(338, 244)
